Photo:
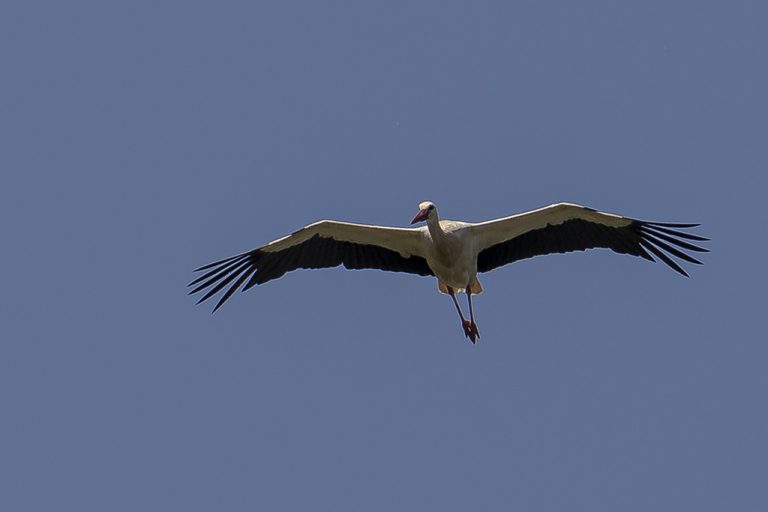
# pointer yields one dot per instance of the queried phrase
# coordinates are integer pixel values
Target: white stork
(452, 251)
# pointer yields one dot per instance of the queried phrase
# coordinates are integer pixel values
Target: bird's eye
(431, 207)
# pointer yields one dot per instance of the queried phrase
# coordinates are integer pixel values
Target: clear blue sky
(143, 139)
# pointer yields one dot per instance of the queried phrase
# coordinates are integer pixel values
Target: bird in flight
(452, 251)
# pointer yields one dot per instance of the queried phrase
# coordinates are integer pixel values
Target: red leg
(465, 324)
(473, 332)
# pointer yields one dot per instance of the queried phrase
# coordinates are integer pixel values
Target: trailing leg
(473, 332)
(465, 324)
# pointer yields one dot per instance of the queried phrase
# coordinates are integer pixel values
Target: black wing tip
(656, 237)
(221, 273)
(654, 230)
(671, 224)
(252, 252)
(215, 263)
(650, 232)
(672, 232)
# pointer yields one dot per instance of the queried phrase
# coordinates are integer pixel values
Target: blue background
(143, 139)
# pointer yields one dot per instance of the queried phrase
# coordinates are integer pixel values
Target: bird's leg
(465, 324)
(473, 332)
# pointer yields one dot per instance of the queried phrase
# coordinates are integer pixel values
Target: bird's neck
(435, 231)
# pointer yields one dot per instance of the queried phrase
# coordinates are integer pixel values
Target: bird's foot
(470, 330)
(475, 332)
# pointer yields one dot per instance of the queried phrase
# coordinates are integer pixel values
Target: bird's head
(427, 211)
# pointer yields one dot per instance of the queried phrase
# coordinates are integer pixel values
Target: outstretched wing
(323, 244)
(565, 227)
